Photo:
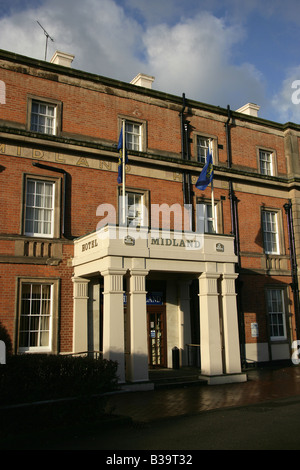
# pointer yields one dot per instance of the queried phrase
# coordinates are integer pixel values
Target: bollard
(175, 358)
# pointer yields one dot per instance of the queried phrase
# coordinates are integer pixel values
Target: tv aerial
(47, 37)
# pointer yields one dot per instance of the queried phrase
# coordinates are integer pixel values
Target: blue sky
(218, 52)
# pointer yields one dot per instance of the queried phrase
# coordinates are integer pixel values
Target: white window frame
(36, 209)
(46, 123)
(133, 132)
(266, 162)
(202, 148)
(36, 317)
(205, 221)
(276, 312)
(270, 230)
(135, 213)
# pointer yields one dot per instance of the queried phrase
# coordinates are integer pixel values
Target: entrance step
(170, 378)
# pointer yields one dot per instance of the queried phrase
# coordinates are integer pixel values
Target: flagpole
(123, 170)
(212, 191)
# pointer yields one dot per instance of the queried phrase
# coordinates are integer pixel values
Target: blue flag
(120, 150)
(206, 174)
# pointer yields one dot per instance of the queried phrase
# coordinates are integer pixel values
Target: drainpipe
(293, 259)
(64, 196)
(182, 147)
(185, 152)
(232, 197)
(235, 232)
(228, 140)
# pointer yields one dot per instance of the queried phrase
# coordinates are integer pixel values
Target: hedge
(47, 393)
(36, 377)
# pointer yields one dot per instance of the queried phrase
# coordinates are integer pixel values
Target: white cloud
(194, 57)
(97, 32)
(287, 101)
(191, 56)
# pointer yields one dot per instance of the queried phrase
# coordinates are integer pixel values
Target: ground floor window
(276, 312)
(37, 316)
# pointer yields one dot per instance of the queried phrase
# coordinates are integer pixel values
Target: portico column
(230, 324)
(210, 337)
(137, 361)
(80, 314)
(185, 319)
(113, 319)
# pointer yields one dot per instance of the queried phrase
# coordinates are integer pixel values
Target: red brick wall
(91, 114)
(9, 274)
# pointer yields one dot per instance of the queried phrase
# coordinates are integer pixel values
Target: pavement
(180, 413)
(183, 399)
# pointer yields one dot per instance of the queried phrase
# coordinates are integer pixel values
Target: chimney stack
(250, 108)
(143, 80)
(62, 58)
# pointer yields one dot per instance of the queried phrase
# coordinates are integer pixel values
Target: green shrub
(37, 377)
(49, 393)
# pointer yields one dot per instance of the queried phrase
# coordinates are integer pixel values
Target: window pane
(35, 107)
(44, 339)
(24, 339)
(33, 341)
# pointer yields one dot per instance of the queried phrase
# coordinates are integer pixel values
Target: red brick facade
(85, 147)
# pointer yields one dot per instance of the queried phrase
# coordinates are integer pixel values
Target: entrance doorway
(156, 322)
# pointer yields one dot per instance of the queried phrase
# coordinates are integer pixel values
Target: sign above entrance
(152, 298)
(152, 247)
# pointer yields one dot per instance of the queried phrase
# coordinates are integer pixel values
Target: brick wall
(90, 112)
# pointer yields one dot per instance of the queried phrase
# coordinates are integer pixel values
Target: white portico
(126, 263)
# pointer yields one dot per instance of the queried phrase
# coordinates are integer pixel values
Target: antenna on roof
(47, 37)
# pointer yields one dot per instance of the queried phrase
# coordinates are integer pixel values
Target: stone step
(178, 382)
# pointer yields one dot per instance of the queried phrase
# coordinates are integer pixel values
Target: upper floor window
(136, 212)
(270, 232)
(43, 118)
(266, 163)
(133, 133)
(206, 220)
(135, 209)
(39, 208)
(202, 147)
(44, 115)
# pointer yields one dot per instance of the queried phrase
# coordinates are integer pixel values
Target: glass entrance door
(156, 336)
